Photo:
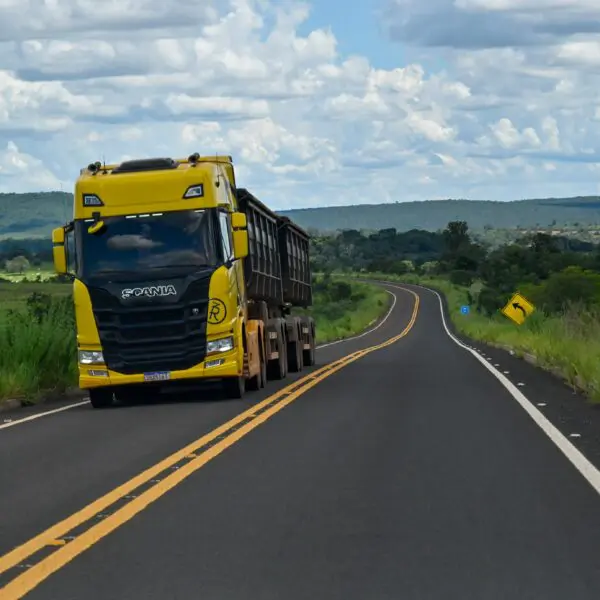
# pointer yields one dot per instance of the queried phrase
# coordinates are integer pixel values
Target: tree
(19, 264)
(572, 285)
(456, 235)
(542, 243)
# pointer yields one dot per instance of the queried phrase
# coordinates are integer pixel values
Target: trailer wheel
(234, 387)
(310, 353)
(101, 397)
(296, 356)
(278, 368)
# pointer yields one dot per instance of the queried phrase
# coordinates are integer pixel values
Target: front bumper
(93, 376)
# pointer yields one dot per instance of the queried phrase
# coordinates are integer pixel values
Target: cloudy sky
(327, 102)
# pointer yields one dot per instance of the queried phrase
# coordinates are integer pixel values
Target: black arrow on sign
(517, 306)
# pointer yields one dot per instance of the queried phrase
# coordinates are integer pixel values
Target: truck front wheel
(234, 387)
(101, 397)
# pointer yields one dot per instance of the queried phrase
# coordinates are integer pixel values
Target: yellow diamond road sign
(518, 308)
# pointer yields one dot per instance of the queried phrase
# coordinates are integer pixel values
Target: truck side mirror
(240, 235)
(59, 251)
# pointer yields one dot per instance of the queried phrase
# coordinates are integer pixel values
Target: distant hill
(34, 215)
(432, 215)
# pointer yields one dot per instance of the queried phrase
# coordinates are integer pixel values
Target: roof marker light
(92, 200)
(194, 191)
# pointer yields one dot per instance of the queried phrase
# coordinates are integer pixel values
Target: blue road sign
(465, 310)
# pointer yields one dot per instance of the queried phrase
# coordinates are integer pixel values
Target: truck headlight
(91, 357)
(220, 345)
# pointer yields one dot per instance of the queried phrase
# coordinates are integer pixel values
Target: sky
(321, 103)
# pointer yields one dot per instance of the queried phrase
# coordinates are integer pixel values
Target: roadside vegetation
(37, 330)
(342, 309)
(560, 276)
(37, 343)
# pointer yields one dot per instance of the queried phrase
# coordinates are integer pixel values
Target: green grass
(38, 345)
(37, 349)
(568, 344)
(14, 295)
(342, 316)
(33, 274)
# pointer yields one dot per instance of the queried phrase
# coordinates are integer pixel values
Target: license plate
(159, 376)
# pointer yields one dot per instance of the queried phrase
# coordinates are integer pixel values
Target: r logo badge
(217, 311)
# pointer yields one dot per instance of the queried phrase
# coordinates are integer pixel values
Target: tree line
(551, 271)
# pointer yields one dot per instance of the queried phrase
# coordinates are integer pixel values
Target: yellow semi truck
(180, 277)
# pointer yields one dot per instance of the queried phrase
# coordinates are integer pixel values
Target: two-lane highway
(399, 467)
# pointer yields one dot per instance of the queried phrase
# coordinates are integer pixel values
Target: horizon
(366, 204)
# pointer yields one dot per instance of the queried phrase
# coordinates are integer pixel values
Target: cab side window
(70, 251)
(225, 235)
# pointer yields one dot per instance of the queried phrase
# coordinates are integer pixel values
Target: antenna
(218, 170)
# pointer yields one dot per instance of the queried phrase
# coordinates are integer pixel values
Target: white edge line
(579, 461)
(63, 408)
(42, 414)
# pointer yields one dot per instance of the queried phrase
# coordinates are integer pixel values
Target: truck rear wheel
(310, 353)
(295, 362)
(263, 372)
(260, 379)
(278, 367)
(101, 397)
(234, 387)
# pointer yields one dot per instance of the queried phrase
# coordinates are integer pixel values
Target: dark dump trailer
(294, 250)
(278, 278)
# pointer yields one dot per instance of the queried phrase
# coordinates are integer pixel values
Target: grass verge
(37, 348)
(37, 331)
(567, 345)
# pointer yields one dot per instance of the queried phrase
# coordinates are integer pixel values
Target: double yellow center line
(28, 565)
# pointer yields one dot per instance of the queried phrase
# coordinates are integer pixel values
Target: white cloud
(17, 167)
(514, 111)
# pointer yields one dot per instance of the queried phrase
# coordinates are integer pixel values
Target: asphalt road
(408, 471)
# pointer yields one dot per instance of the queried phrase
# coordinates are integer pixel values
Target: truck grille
(153, 336)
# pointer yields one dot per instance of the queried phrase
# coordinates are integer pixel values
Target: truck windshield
(143, 245)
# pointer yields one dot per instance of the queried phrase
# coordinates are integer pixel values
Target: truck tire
(263, 371)
(101, 397)
(234, 387)
(310, 354)
(296, 356)
(310, 357)
(278, 368)
(258, 381)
